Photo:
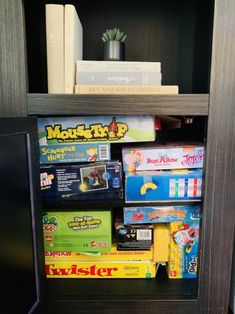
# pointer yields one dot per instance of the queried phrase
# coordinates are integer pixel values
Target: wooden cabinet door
(21, 257)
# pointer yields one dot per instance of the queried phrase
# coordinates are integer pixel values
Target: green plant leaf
(105, 36)
(123, 38)
(110, 34)
(113, 34)
(120, 35)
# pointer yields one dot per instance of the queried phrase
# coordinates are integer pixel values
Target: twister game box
(81, 231)
(167, 185)
(160, 214)
(102, 269)
(81, 182)
(183, 248)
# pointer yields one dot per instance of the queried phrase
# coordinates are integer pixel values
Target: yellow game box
(102, 270)
(114, 254)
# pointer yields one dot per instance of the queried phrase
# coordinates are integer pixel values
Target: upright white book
(117, 66)
(55, 48)
(73, 46)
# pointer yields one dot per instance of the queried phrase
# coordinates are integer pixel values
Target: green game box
(78, 231)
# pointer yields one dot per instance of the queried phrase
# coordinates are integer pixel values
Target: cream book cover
(117, 66)
(126, 89)
(55, 47)
(73, 46)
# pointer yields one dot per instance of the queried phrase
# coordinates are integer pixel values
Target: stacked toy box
(175, 235)
(167, 173)
(79, 245)
(76, 164)
(82, 182)
(67, 144)
(88, 138)
(163, 173)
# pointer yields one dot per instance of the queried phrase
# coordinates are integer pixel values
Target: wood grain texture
(182, 104)
(117, 307)
(219, 200)
(155, 289)
(13, 60)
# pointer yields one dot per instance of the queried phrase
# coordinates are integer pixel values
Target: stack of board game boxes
(128, 242)
(166, 173)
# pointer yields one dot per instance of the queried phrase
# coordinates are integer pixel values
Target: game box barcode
(144, 234)
(104, 152)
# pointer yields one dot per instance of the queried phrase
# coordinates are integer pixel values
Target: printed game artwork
(94, 178)
(95, 129)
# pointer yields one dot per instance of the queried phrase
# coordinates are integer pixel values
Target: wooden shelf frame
(218, 217)
(182, 104)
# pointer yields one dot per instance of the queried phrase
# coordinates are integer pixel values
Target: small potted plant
(114, 46)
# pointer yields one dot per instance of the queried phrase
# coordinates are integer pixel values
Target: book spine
(73, 46)
(118, 78)
(117, 66)
(126, 90)
(68, 47)
(55, 48)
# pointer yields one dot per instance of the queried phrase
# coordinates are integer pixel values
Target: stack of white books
(120, 77)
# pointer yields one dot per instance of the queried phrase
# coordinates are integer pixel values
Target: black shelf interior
(176, 33)
(159, 288)
(118, 289)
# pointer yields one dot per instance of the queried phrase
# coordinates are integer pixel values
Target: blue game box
(82, 182)
(172, 185)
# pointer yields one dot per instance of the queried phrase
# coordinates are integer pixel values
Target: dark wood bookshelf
(182, 104)
(113, 294)
(131, 289)
(194, 40)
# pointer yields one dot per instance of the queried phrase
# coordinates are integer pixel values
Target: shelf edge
(181, 104)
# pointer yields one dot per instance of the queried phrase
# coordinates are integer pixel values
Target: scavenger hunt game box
(166, 185)
(81, 182)
(81, 231)
(53, 154)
